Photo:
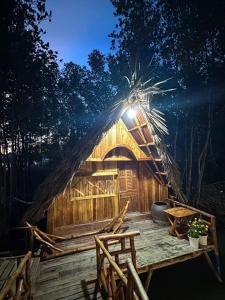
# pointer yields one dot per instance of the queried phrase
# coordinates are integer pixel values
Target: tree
(186, 39)
(191, 43)
(28, 103)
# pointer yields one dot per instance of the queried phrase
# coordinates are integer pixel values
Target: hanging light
(131, 113)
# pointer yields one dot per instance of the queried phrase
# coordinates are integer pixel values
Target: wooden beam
(137, 127)
(93, 197)
(149, 159)
(105, 173)
(119, 235)
(161, 173)
(94, 159)
(147, 145)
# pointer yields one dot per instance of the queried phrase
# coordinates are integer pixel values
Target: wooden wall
(117, 136)
(122, 181)
(116, 171)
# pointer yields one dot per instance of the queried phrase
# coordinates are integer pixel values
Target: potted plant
(203, 234)
(194, 233)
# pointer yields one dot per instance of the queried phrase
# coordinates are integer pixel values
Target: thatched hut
(121, 159)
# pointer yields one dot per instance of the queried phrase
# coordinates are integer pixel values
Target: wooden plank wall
(64, 211)
(117, 136)
(150, 190)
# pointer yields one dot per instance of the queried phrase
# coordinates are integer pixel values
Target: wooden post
(133, 252)
(31, 239)
(130, 286)
(215, 242)
(216, 274)
(136, 282)
(113, 282)
(28, 277)
(148, 279)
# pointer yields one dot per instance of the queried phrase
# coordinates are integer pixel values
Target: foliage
(194, 228)
(203, 229)
(28, 102)
(197, 228)
(43, 109)
(186, 40)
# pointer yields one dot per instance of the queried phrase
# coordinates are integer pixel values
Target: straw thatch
(59, 179)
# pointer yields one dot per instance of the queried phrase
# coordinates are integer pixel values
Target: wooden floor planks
(7, 267)
(72, 277)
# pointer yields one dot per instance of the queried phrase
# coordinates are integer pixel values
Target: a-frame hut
(119, 161)
(124, 165)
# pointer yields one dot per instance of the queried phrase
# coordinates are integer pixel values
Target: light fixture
(131, 113)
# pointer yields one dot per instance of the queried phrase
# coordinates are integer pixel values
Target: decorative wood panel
(117, 136)
(86, 198)
(128, 185)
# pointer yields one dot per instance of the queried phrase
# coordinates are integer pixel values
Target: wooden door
(128, 185)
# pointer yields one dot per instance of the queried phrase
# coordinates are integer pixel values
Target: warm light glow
(131, 113)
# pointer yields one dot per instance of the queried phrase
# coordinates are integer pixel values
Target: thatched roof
(59, 179)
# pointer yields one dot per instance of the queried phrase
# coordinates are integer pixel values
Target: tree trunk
(190, 159)
(202, 158)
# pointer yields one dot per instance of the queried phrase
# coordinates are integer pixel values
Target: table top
(180, 212)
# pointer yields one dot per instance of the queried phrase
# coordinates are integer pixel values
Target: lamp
(131, 113)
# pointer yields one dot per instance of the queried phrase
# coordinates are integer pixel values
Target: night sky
(78, 27)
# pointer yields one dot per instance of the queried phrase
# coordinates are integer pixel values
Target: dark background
(48, 105)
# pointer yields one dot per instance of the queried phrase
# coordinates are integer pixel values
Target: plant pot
(194, 242)
(158, 214)
(203, 240)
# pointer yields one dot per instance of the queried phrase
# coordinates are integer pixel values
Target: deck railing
(112, 281)
(209, 220)
(134, 284)
(18, 286)
(205, 217)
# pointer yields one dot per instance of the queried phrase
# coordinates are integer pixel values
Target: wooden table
(176, 215)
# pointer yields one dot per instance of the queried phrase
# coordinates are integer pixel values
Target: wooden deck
(7, 267)
(73, 276)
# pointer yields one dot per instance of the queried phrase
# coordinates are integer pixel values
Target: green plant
(203, 229)
(194, 228)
